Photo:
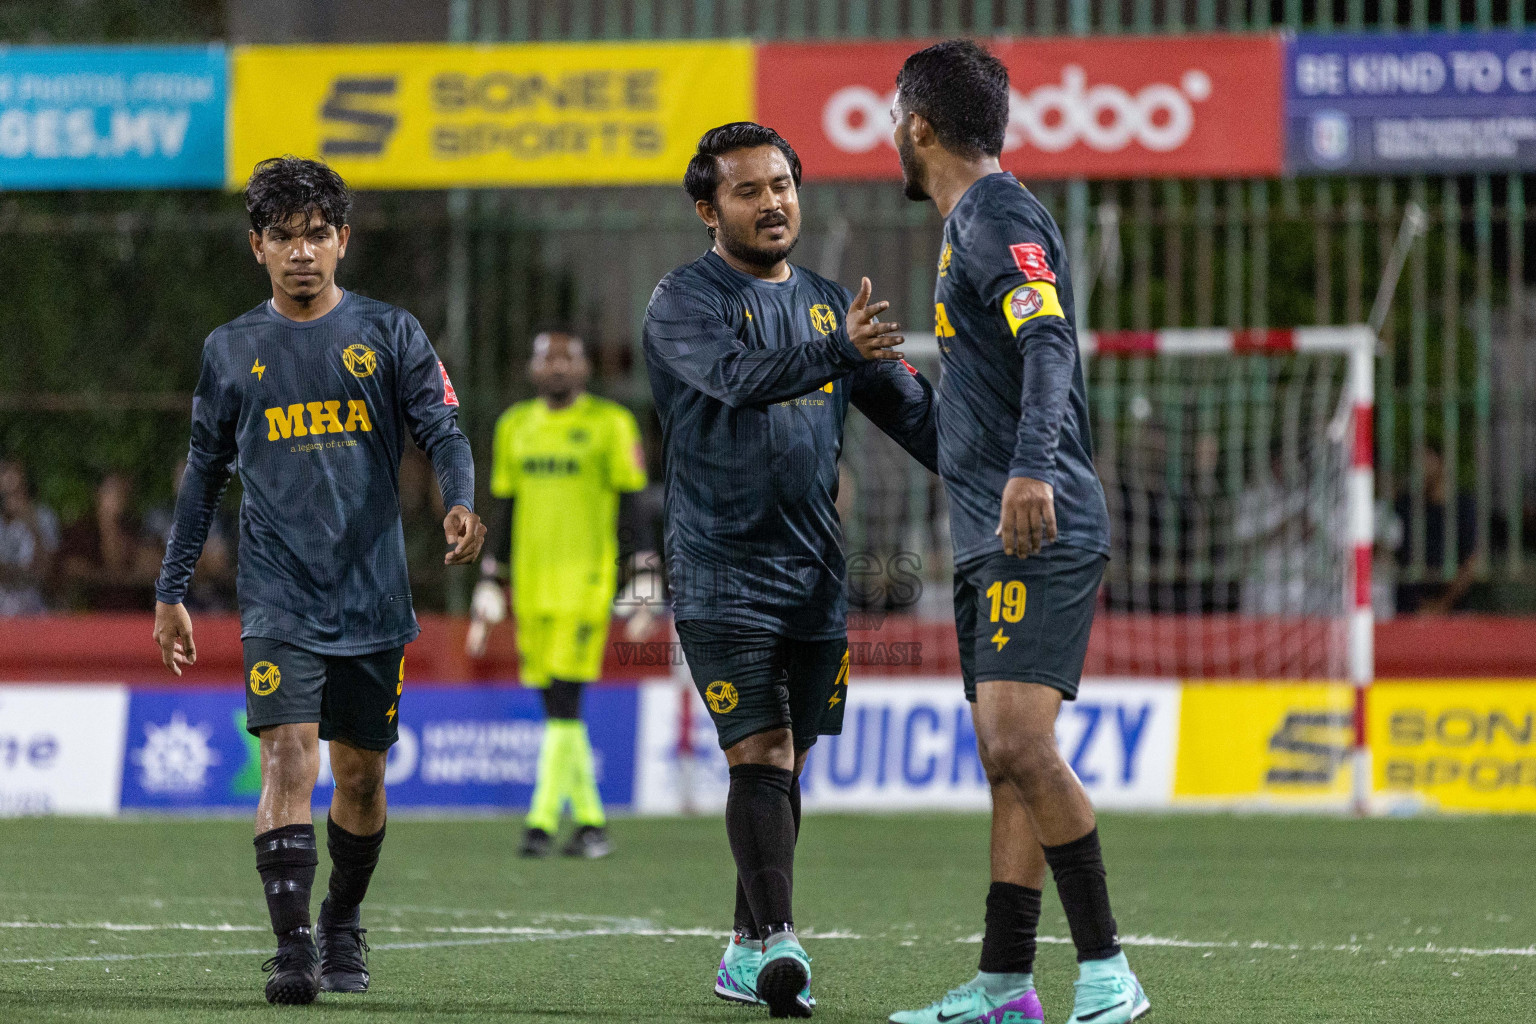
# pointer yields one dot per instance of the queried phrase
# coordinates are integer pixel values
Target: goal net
(1239, 523)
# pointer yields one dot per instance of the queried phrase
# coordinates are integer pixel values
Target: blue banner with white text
(1442, 103)
(76, 117)
(459, 747)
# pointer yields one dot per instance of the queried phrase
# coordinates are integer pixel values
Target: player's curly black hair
(702, 177)
(962, 90)
(283, 186)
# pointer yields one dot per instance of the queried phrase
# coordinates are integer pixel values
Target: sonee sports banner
(428, 116)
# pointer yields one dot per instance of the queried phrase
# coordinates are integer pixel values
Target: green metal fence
(483, 268)
(1238, 253)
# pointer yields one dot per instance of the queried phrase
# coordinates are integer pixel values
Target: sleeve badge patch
(1029, 257)
(450, 397)
(1028, 301)
(1025, 303)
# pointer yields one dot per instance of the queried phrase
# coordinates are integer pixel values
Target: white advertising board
(61, 749)
(909, 744)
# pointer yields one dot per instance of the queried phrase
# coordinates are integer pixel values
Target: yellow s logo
(823, 319)
(360, 360)
(265, 678)
(721, 697)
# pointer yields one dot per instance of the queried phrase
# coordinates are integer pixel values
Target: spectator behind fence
(213, 584)
(1434, 594)
(29, 540)
(108, 563)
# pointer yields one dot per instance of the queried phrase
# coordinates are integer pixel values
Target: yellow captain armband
(1027, 301)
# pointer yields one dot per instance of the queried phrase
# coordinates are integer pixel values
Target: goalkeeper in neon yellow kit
(559, 463)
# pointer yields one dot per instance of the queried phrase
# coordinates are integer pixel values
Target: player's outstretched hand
(1028, 521)
(873, 339)
(173, 632)
(464, 530)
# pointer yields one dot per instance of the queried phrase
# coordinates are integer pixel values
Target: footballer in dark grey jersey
(1030, 530)
(754, 365)
(311, 395)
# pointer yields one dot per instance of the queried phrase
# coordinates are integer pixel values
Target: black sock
(746, 924)
(353, 859)
(1013, 917)
(761, 828)
(286, 859)
(1078, 868)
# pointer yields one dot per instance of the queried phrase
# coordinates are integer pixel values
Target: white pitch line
(498, 935)
(1287, 947)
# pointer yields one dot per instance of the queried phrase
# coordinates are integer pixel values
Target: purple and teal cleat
(736, 977)
(973, 1003)
(1108, 993)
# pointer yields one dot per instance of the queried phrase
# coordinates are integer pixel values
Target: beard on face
(911, 172)
(741, 244)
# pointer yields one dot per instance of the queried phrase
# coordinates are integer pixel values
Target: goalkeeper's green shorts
(561, 646)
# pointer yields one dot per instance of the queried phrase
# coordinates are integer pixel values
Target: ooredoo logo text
(1101, 115)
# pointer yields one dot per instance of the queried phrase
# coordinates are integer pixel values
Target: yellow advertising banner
(1456, 746)
(1280, 743)
(442, 116)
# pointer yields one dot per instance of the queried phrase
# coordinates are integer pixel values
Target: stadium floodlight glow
(1239, 470)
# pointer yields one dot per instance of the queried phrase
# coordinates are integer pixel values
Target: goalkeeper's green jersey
(565, 468)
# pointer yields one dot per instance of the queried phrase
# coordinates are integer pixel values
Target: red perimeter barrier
(117, 648)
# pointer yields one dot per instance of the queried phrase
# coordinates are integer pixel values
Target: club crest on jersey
(1029, 257)
(1025, 303)
(721, 697)
(360, 360)
(265, 678)
(823, 319)
(944, 258)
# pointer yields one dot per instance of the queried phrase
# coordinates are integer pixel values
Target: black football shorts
(355, 698)
(753, 680)
(1027, 619)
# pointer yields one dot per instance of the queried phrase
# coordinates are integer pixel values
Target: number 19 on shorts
(1007, 600)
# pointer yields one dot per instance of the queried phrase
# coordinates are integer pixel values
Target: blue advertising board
(1431, 102)
(459, 747)
(112, 117)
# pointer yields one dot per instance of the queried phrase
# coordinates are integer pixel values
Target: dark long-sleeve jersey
(1012, 399)
(752, 381)
(315, 414)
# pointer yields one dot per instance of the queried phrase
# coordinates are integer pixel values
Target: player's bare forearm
(173, 635)
(1028, 519)
(464, 530)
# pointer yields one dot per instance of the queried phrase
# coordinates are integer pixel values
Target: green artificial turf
(1226, 919)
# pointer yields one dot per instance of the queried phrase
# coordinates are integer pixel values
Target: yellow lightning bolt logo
(259, 370)
(999, 639)
(390, 714)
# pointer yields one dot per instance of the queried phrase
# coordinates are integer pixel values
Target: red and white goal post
(1238, 465)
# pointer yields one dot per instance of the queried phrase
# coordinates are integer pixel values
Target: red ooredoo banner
(1170, 106)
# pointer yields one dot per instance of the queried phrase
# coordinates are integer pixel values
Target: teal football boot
(736, 977)
(784, 979)
(1108, 993)
(974, 1003)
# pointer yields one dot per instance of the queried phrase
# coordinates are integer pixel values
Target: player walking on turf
(1030, 529)
(753, 364)
(559, 463)
(311, 394)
